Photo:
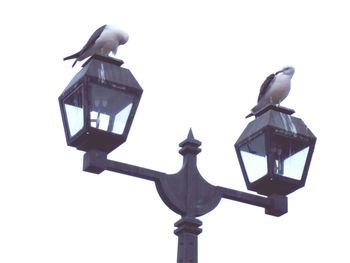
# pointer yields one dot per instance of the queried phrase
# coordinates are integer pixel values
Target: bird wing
(265, 86)
(92, 40)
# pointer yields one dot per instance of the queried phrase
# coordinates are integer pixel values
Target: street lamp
(99, 104)
(274, 151)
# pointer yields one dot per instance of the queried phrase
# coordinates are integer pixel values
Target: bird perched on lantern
(104, 40)
(274, 89)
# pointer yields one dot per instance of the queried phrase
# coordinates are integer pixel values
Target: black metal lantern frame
(91, 106)
(99, 104)
(275, 151)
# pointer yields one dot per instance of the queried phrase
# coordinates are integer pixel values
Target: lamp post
(186, 193)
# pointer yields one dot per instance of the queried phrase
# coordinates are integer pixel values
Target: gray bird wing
(265, 86)
(92, 40)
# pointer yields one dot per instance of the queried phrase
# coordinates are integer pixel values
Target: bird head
(123, 37)
(288, 71)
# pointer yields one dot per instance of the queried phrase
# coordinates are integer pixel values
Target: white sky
(200, 64)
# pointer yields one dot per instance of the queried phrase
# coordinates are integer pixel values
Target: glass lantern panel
(110, 108)
(99, 120)
(74, 112)
(293, 166)
(254, 158)
(255, 165)
(288, 156)
(121, 119)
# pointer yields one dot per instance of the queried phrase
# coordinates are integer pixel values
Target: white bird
(274, 89)
(104, 40)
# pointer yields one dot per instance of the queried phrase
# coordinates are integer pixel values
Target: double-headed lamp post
(274, 151)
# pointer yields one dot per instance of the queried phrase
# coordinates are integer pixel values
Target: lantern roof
(102, 69)
(279, 118)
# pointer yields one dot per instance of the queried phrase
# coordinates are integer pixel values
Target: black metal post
(187, 232)
(186, 193)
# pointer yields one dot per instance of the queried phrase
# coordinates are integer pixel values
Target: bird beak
(279, 71)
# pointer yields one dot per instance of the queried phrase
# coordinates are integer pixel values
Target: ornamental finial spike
(190, 134)
(190, 144)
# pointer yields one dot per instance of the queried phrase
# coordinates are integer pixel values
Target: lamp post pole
(186, 193)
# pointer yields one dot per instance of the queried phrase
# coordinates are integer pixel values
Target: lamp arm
(275, 205)
(244, 197)
(133, 170)
(96, 162)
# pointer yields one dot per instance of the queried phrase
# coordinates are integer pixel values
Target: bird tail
(249, 115)
(254, 111)
(72, 56)
(74, 63)
(76, 55)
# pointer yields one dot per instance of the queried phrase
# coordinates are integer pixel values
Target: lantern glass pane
(74, 112)
(255, 165)
(254, 158)
(293, 165)
(110, 108)
(99, 120)
(120, 119)
(288, 156)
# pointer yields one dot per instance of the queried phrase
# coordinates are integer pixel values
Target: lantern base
(275, 108)
(275, 184)
(107, 59)
(95, 139)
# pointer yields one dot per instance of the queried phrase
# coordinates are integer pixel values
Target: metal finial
(190, 144)
(190, 134)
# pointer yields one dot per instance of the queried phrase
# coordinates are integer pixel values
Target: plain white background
(201, 64)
